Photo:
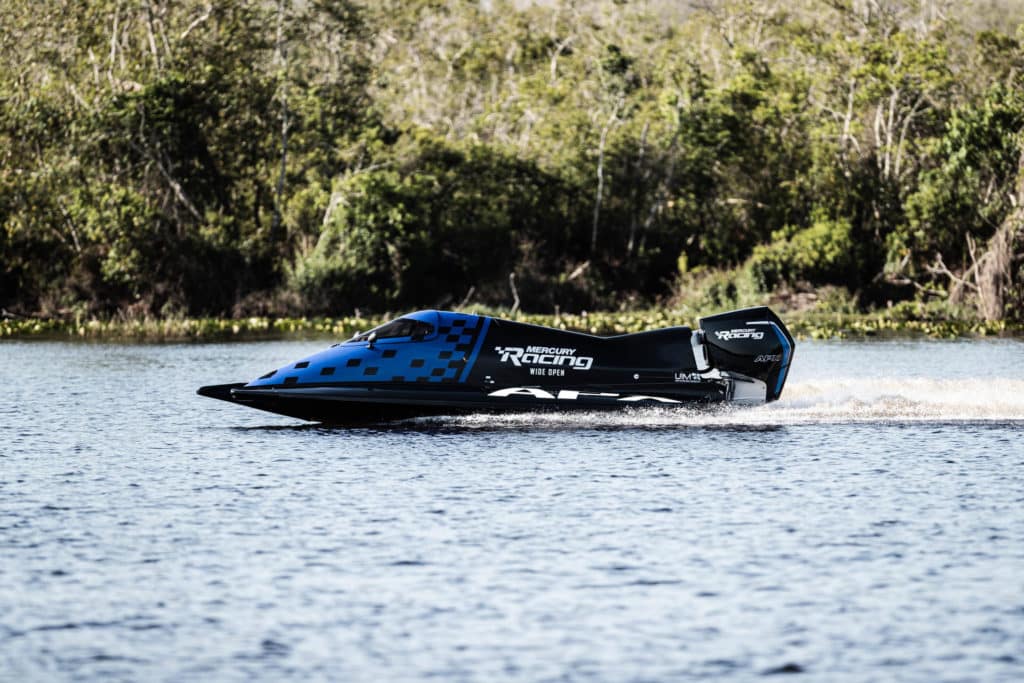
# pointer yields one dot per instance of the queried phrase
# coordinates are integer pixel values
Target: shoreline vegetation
(178, 169)
(899, 323)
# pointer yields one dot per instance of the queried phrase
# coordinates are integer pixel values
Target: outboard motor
(751, 347)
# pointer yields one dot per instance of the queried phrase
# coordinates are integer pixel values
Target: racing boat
(445, 363)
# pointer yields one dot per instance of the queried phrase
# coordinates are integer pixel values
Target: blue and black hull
(442, 363)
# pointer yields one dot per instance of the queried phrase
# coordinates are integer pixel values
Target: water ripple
(867, 526)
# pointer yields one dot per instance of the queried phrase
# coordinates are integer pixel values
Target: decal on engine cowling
(688, 377)
(546, 360)
(768, 358)
(743, 333)
(573, 395)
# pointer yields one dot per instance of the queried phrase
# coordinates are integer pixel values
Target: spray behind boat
(748, 344)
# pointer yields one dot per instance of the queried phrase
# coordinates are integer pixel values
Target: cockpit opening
(414, 330)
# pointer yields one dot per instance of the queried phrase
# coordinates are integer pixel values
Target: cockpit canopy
(402, 328)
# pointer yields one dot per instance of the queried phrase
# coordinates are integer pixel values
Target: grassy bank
(804, 325)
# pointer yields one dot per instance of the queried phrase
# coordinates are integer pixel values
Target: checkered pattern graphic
(440, 358)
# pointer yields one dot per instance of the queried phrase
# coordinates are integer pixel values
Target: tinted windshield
(403, 327)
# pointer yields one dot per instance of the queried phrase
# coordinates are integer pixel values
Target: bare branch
(515, 292)
(939, 268)
(195, 22)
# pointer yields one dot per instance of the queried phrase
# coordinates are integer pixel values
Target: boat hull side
(363, 405)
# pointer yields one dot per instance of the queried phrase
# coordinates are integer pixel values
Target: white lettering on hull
(543, 355)
(573, 395)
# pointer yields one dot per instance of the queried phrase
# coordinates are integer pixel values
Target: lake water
(869, 526)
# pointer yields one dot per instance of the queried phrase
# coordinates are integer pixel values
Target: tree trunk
(995, 267)
(600, 186)
(282, 56)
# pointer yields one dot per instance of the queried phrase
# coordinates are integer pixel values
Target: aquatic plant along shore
(813, 325)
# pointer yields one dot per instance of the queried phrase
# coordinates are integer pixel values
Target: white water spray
(834, 401)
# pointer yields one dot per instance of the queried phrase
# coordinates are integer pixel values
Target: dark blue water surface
(869, 526)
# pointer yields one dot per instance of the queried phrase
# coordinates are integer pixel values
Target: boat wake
(897, 400)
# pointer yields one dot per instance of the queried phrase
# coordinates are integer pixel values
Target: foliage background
(254, 157)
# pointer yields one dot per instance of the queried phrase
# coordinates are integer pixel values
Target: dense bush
(319, 157)
(822, 252)
(444, 220)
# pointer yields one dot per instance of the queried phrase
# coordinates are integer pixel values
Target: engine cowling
(752, 342)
